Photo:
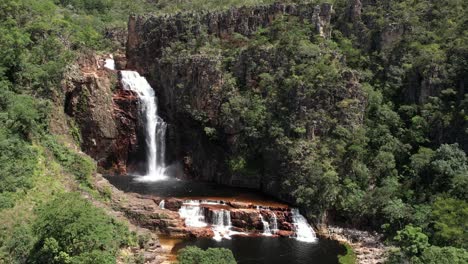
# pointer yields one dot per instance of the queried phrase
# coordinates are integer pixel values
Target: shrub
(194, 255)
(71, 230)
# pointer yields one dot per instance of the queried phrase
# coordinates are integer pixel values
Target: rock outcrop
(145, 211)
(149, 35)
(106, 116)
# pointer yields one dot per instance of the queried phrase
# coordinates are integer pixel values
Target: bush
(194, 255)
(82, 167)
(71, 230)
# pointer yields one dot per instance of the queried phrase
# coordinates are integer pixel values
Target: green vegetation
(70, 229)
(194, 255)
(370, 125)
(349, 257)
(400, 164)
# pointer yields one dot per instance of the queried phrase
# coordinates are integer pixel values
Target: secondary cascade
(221, 224)
(303, 230)
(274, 221)
(155, 127)
(266, 226)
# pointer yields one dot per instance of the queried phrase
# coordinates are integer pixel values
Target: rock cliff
(191, 89)
(105, 114)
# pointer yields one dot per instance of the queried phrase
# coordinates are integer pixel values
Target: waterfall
(194, 214)
(304, 231)
(221, 224)
(155, 127)
(161, 204)
(266, 226)
(274, 221)
(110, 63)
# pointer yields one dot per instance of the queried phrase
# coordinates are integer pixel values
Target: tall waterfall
(266, 226)
(155, 127)
(304, 231)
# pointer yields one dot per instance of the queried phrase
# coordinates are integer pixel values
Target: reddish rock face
(173, 204)
(284, 233)
(147, 213)
(106, 115)
(205, 232)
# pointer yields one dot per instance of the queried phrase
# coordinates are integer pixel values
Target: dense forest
(371, 122)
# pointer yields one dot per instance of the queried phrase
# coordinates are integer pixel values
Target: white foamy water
(266, 226)
(221, 224)
(109, 64)
(193, 214)
(219, 220)
(274, 223)
(155, 127)
(303, 230)
(161, 204)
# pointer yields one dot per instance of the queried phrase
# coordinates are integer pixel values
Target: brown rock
(284, 233)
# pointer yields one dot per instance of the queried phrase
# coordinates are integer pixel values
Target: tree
(194, 255)
(449, 170)
(412, 240)
(450, 222)
(443, 255)
(71, 230)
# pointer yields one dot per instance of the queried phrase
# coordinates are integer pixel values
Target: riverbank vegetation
(400, 168)
(194, 255)
(349, 257)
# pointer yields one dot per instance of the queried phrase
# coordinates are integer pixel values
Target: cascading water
(194, 214)
(110, 63)
(155, 127)
(221, 224)
(304, 231)
(161, 204)
(266, 226)
(274, 221)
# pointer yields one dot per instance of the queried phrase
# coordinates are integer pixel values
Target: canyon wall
(192, 88)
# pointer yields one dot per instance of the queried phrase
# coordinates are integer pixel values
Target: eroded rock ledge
(144, 211)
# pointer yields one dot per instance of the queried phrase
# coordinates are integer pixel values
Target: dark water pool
(263, 250)
(189, 189)
(246, 250)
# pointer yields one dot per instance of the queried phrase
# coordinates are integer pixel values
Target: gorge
(192, 95)
(290, 131)
(218, 219)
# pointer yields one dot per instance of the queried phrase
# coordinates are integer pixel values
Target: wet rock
(285, 233)
(242, 205)
(201, 232)
(173, 204)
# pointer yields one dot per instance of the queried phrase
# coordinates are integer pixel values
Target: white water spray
(194, 214)
(110, 63)
(221, 224)
(155, 127)
(266, 226)
(274, 221)
(161, 204)
(304, 231)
